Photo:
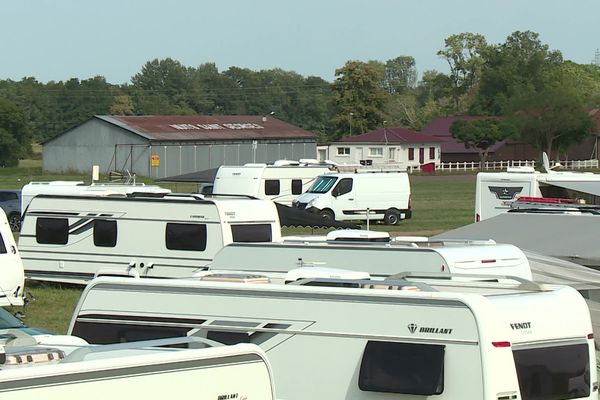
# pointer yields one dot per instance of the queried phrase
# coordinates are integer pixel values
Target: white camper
(403, 338)
(496, 191)
(359, 196)
(281, 181)
(66, 367)
(79, 188)
(12, 279)
(379, 259)
(68, 238)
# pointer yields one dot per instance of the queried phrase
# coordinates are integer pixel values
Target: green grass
(439, 203)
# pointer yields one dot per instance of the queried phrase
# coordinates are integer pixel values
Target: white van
(359, 196)
(68, 238)
(402, 338)
(12, 279)
(280, 182)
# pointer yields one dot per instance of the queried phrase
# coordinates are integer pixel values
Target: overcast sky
(62, 39)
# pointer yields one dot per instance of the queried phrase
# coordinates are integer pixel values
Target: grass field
(439, 202)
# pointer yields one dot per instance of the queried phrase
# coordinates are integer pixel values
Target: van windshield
(322, 184)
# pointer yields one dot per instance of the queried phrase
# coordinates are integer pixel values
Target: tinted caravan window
(402, 368)
(296, 186)
(52, 230)
(186, 237)
(272, 187)
(252, 233)
(556, 372)
(105, 233)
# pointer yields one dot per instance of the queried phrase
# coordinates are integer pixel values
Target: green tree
(358, 97)
(15, 141)
(463, 53)
(400, 75)
(481, 134)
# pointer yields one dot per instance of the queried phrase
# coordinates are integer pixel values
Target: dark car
(10, 202)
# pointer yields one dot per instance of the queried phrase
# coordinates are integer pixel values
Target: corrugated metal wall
(112, 148)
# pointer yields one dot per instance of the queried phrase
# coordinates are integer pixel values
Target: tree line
(523, 89)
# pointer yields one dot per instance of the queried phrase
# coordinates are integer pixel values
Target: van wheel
(14, 220)
(327, 214)
(391, 217)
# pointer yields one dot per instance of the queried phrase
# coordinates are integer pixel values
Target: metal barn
(161, 146)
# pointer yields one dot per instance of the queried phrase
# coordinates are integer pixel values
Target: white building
(388, 146)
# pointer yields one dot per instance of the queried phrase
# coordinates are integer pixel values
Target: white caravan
(79, 188)
(281, 182)
(379, 259)
(12, 279)
(370, 339)
(68, 238)
(66, 367)
(496, 191)
(363, 195)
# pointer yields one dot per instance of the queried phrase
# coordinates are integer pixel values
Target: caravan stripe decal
(128, 372)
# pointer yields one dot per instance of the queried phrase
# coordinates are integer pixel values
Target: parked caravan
(79, 188)
(12, 279)
(379, 259)
(66, 367)
(496, 191)
(359, 196)
(281, 181)
(370, 339)
(68, 238)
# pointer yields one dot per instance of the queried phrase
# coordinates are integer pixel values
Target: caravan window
(105, 233)
(186, 237)
(555, 372)
(296, 186)
(252, 233)
(406, 368)
(2, 246)
(52, 230)
(272, 187)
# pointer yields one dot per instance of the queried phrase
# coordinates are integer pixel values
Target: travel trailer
(281, 181)
(12, 279)
(68, 238)
(379, 259)
(359, 196)
(65, 367)
(496, 191)
(369, 339)
(79, 188)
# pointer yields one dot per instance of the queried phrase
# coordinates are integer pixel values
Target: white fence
(492, 165)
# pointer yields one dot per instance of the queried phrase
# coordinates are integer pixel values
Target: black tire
(327, 214)
(14, 221)
(391, 217)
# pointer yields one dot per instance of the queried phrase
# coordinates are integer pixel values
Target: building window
(272, 187)
(405, 368)
(392, 153)
(432, 153)
(251, 233)
(375, 151)
(296, 186)
(52, 230)
(343, 151)
(411, 154)
(186, 237)
(105, 233)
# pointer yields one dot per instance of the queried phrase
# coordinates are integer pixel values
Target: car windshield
(322, 184)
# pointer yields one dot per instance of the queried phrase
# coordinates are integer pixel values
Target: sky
(62, 39)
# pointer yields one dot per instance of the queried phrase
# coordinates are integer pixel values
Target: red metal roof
(208, 128)
(390, 135)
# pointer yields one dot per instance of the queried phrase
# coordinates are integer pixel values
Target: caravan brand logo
(520, 325)
(505, 193)
(412, 328)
